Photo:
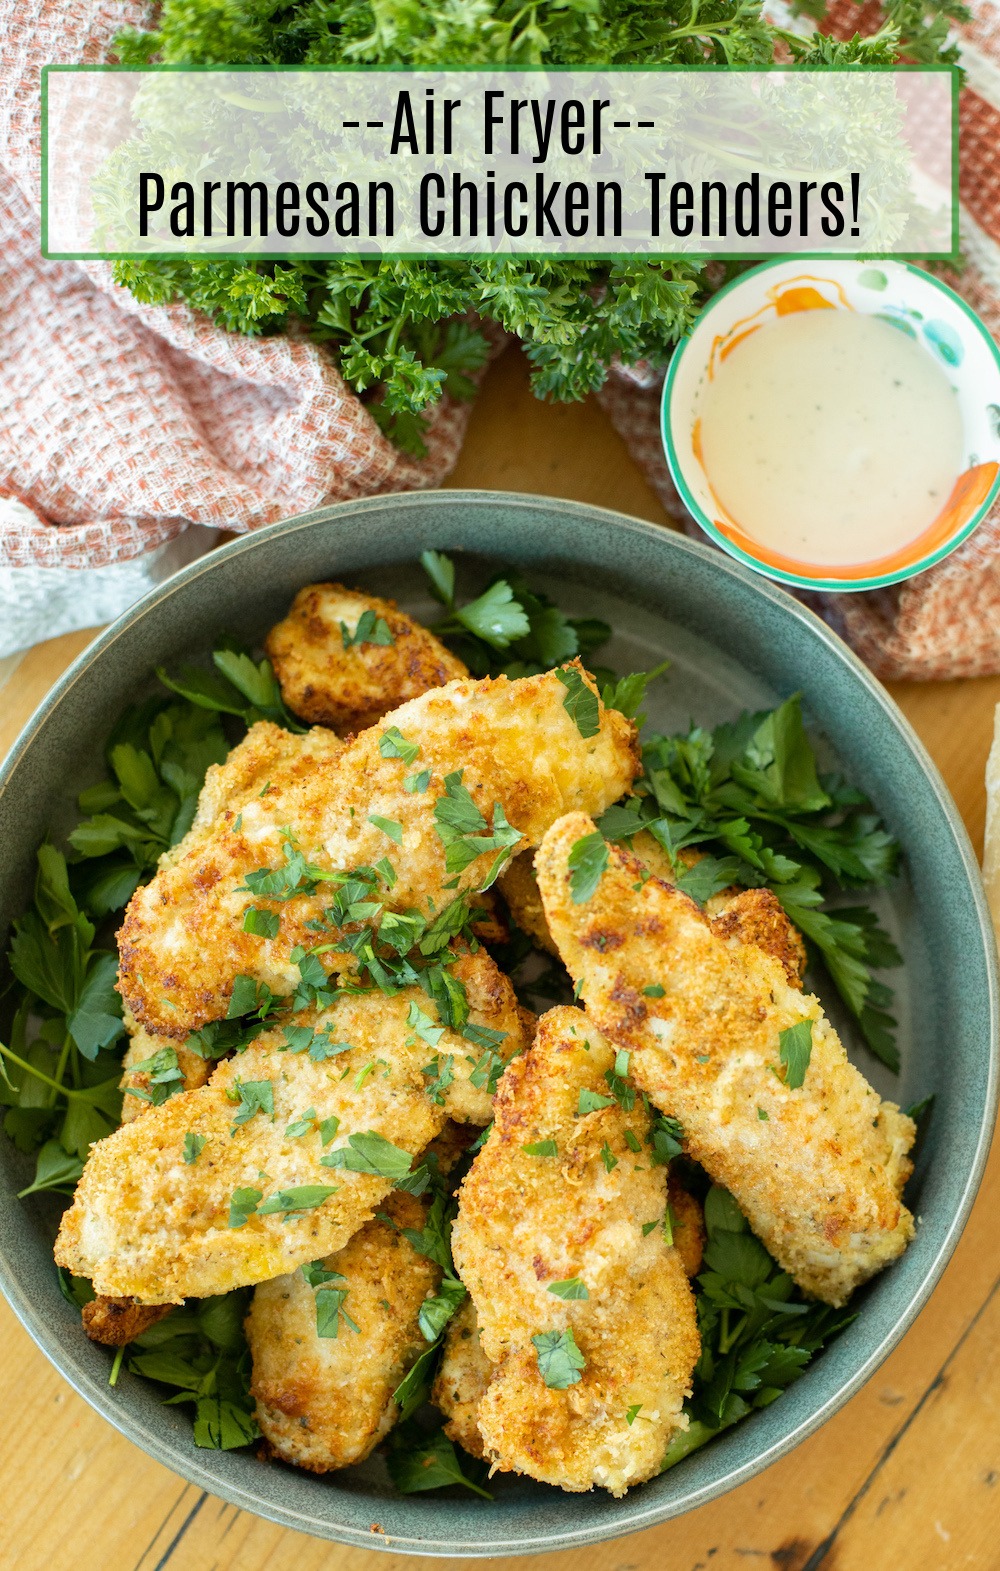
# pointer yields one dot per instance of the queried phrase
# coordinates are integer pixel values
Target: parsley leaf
(306, 1197)
(587, 861)
(370, 1152)
(254, 1096)
(571, 1288)
(243, 1205)
(559, 1359)
(795, 1049)
(393, 744)
(389, 826)
(264, 924)
(591, 1102)
(416, 1461)
(581, 702)
(541, 1148)
(371, 629)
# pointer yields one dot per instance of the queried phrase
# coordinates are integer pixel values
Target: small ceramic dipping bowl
(912, 301)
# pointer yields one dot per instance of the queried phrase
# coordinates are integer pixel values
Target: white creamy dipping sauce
(831, 437)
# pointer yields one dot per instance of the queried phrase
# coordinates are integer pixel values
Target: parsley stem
(31, 1070)
(116, 1367)
(61, 1064)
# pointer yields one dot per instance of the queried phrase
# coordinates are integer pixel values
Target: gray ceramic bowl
(734, 640)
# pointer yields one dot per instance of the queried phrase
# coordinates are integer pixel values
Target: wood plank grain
(911, 1453)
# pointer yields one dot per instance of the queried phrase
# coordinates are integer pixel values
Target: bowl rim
(190, 1467)
(704, 521)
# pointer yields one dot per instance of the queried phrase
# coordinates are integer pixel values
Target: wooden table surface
(905, 1478)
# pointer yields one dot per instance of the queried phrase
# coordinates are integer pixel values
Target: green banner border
(485, 256)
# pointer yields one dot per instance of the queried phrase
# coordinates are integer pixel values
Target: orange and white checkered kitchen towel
(121, 424)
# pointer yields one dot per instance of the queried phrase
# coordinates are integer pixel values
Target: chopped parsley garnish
(264, 924)
(330, 1297)
(559, 1359)
(440, 1073)
(627, 694)
(581, 702)
(250, 997)
(389, 826)
(437, 1311)
(318, 1043)
(370, 1152)
(653, 991)
(762, 1114)
(302, 1126)
(253, 1096)
(633, 1413)
(619, 1084)
(194, 1145)
(571, 1288)
(371, 629)
(795, 1051)
(541, 1148)
(591, 1102)
(587, 861)
(393, 744)
(608, 1157)
(417, 782)
(632, 1141)
(423, 1026)
(464, 832)
(306, 1197)
(164, 1075)
(243, 1205)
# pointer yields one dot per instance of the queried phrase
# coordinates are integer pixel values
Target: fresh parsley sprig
(749, 796)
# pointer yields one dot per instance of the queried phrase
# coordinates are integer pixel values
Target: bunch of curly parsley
(400, 331)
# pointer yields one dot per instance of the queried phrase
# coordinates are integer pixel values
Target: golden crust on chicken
(167, 1207)
(324, 1401)
(748, 913)
(115, 1322)
(590, 1221)
(329, 679)
(817, 1167)
(462, 1378)
(138, 1066)
(516, 747)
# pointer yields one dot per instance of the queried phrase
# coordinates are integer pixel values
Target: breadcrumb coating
(183, 942)
(351, 688)
(593, 1212)
(324, 1402)
(151, 1223)
(818, 1170)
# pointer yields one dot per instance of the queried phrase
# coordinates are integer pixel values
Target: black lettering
(149, 203)
(543, 205)
(747, 191)
(247, 190)
(286, 209)
(404, 130)
(347, 218)
(606, 188)
(376, 189)
(681, 209)
(655, 181)
(779, 208)
(577, 203)
(317, 194)
(708, 189)
(515, 191)
(431, 185)
(830, 195)
(182, 193)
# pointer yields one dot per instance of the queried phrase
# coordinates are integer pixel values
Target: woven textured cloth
(121, 425)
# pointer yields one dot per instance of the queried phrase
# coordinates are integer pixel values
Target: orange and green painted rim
(972, 496)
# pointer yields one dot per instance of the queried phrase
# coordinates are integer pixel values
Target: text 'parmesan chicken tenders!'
(439, 792)
(770, 1105)
(283, 1155)
(583, 1304)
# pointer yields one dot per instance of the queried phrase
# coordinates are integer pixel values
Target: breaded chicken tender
(462, 1378)
(590, 1219)
(465, 1372)
(328, 679)
(748, 915)
(323, 1380)
(167, 1207)
(115, 1322)
(325, 1401)
(518, 752)
(138, 1065)
(818, 1169)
